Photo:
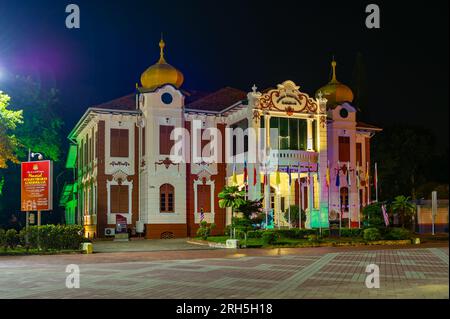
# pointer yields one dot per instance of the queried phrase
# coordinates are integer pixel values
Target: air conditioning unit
(110, 231)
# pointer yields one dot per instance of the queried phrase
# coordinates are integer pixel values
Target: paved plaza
(247, 273)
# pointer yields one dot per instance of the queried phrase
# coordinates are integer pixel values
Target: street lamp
(32, 154)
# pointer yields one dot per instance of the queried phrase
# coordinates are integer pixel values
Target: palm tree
(402, 206)
(231, 197)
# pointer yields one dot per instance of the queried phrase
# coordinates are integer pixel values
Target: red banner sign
(36, 186)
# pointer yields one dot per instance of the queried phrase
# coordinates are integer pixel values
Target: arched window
(344, 199)
(166, 198)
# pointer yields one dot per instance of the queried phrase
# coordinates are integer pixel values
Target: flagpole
(368, 183)
(357, 190)
(299, 197)
(349, 186)
(376, 183)
(289, 197)
(319, 189)
(311, 193)
(339, 200)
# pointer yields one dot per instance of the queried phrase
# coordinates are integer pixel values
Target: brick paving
(272, 274)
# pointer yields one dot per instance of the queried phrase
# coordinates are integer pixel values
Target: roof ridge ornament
(333, 67)
(162, 45)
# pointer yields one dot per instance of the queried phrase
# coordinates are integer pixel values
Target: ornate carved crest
(323, 121)
(287, 98)
(119, 177)
(166, 162)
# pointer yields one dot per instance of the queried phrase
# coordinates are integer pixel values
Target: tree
(251, 208)
(404, 155)
(42, 131)
(9, 120)
(404, 208)
(233, 197)
(295, 210)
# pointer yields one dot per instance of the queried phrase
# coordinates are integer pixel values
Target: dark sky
(235, 43)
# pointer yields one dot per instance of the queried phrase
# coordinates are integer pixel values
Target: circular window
(166, 98)
(343, 113)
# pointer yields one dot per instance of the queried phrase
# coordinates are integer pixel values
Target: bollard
(87, 248)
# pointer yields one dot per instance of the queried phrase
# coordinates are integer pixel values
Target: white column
(309, 140)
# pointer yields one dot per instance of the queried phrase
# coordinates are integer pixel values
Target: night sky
(235, 43)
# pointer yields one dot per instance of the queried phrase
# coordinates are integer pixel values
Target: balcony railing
(292, 156)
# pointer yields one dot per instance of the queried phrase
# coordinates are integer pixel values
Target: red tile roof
(367, 126)
(194, 99)
(218, 101)
(127, 102)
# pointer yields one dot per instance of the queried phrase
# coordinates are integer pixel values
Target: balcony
(286, 157)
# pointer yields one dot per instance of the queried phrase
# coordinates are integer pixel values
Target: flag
(338, 181)
(375, 177)
(234, 179)
(358, 182)
(367, 173)
(245, 172)
(202, 215)
(277, 177)
(289, 175)
(254, 175)
(327, 176)
(385, 215)
(349, 183)
(308, 178)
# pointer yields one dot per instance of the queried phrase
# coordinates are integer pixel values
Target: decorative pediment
(287, 98)
(119, 177)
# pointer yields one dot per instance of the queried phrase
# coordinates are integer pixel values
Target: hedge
(55, 237)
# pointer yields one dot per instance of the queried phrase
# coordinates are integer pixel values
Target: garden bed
(299, 243)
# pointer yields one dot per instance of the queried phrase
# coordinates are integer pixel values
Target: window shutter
(123, 199)
(344, 148)
(204, 198)
(119, 143)
(359, 154)
(114, 199)
(165, 143)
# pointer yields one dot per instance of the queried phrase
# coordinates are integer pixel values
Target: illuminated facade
(124, 165)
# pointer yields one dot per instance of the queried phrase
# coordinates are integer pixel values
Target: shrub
(3, 238)
(373, 216)
(56, 237)
(255, 233)
(371, 234)
(205, 230)
(270, 237)
(398, 233)
(243, 224)
(351, 232)
(11, 238)
(296, 233)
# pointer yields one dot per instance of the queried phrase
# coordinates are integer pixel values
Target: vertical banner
(36, 185)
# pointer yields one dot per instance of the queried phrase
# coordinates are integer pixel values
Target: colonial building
(124, 165)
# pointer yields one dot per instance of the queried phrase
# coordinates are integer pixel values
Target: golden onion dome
(161, 73)
(335, 92)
